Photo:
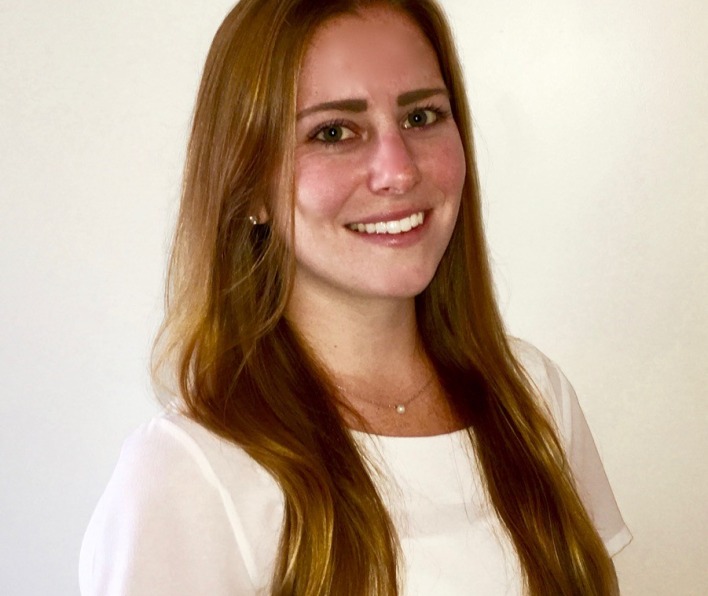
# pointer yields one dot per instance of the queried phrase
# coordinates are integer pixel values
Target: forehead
(361, 54)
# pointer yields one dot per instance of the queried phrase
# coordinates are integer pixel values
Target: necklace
(398, 407)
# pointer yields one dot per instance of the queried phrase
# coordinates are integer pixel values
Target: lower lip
(395, 240)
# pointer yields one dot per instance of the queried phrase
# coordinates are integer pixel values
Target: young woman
(352, 418)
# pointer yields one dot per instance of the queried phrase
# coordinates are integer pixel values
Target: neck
(358, 339)
(373, 353)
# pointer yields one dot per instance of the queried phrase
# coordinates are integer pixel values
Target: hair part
(225, 333)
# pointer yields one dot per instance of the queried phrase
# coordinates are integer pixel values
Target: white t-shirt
(188, 513)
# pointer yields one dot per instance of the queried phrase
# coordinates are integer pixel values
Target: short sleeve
(161, 527)
(583, 457)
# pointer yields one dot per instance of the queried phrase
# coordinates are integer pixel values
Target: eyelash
(440, 113)
(327, 125)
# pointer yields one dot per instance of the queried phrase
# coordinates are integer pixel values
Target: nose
(393, 169)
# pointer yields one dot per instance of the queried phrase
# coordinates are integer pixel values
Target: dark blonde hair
(246, 374)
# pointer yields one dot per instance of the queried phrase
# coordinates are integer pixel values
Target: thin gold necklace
(398, 407)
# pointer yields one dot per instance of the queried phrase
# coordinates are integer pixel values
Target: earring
(253, 219)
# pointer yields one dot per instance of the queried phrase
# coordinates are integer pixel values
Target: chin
(407, 288)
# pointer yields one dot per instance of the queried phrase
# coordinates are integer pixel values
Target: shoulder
(173, 456)
(171, 445)
(559, 399)
(178, 451)
(540, 369)
(552, 387)
(181, 504)
(555, 394)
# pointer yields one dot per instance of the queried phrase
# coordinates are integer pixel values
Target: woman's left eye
(421, 117)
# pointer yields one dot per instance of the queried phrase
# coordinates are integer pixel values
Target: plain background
(591, 123)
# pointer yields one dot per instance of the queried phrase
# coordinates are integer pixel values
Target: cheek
(323, 186)
(450, 166)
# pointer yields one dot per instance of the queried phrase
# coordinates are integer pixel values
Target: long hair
(246, 374)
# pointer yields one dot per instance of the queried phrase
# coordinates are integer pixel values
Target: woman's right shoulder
(173, 440)
(181, 502)
(171, 452)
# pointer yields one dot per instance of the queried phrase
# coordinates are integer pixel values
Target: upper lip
(388, 216)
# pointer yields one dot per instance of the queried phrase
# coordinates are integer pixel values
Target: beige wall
(591, 125)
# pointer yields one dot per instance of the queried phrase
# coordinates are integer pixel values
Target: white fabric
(188, 513)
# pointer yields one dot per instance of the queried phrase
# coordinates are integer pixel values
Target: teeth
(390, 227)
(393, 227)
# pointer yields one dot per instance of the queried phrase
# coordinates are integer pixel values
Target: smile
(389, 227)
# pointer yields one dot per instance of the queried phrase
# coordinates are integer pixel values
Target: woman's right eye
(332, 133)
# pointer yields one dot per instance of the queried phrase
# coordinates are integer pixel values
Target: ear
(263, 215)
(259, 217)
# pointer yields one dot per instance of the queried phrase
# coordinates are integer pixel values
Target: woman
(352, 417)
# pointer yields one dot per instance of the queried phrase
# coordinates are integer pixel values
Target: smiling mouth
(397, 226)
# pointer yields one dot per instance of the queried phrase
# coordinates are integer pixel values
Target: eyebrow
(412, 96)
(344, 105)
(360, 105)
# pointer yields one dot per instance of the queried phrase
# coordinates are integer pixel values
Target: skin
(375, 142)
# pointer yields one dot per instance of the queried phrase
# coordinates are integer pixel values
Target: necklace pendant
(401, 409)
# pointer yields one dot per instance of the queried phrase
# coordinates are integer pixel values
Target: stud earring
(253, 219)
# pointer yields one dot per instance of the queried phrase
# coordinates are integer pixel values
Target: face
(379, 160)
